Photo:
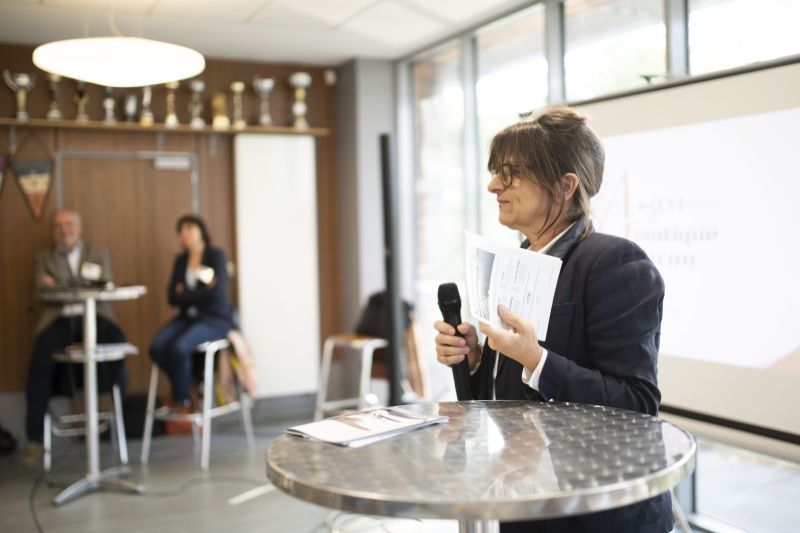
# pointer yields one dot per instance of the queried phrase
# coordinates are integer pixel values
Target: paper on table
(360, 429)
(521, 280)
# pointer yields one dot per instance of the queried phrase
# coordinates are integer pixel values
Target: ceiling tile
(229, 11)
(317, 13)
(456, 10)
(394, 24)
(128, 6)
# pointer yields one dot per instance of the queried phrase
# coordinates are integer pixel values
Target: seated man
(71, 263)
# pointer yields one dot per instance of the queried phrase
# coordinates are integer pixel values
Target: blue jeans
(175, 344)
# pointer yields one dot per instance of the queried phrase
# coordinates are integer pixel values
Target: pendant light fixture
(119, 61)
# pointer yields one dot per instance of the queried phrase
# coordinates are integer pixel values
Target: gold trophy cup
(82, 99)
(196, 104)
(262, 87)
(219, 111)
(54, 113)
(146, 117)
(237, 88)
(21, 83)
(171, 120)
(300, 81)
(108, 105)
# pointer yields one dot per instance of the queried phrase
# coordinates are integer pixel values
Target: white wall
(366, 107)
(276, 223)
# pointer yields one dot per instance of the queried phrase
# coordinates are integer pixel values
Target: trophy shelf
(182, 128)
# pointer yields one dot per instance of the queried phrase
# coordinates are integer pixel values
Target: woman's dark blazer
(602, 343)
(212, 301)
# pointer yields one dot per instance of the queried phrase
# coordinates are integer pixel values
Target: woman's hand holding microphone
(520, 343)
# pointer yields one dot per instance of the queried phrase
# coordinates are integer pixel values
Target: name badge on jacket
(91, 271)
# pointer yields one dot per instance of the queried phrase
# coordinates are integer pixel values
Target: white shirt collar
(552, 243)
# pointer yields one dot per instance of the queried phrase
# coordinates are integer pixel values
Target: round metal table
(94, 478)
(493, 461)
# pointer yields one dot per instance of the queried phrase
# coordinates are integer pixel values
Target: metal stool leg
(246, 403)
(208, 391)
(48, 442)
(151, 407)
(366, 375)
(112, 431)
(120, 425)
(324, 376)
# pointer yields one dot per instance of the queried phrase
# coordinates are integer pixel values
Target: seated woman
(198, 289)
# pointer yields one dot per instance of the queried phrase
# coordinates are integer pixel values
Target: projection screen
(705, 177)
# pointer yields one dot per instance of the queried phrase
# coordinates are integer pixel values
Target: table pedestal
(94, 479)
(478, 526)
(107, 479)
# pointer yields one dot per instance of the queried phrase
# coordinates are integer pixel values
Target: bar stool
(75, 425)
(209, 412)
(365, 347)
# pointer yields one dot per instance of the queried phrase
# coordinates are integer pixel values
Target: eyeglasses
(508, 172)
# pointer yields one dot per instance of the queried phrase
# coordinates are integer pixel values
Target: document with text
(522, 280)
(365, 427)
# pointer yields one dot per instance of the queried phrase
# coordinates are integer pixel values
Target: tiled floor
(748, 490)
(179, 496)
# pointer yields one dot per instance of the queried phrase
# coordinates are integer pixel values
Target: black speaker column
(392, 261)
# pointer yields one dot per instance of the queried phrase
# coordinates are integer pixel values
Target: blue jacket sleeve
(623, 303)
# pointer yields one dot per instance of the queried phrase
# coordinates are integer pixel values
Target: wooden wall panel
(138, 225)
(21, 236)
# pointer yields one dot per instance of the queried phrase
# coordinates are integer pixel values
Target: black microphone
(450, 305)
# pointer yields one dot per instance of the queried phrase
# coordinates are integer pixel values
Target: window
(439, 190)
(612, 45)
(729, 33)
(440, 186)
(511, 79)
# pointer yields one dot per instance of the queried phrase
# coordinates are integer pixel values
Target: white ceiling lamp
(119, 61)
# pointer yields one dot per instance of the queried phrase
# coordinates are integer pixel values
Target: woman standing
(198, 288)
(605, 324)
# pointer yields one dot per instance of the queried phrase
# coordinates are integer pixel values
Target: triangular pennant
(34, 179)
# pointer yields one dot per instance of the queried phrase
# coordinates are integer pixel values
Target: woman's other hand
(451, 349)
(520, 343)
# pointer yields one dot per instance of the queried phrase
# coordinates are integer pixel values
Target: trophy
(82, 99)
(108, 105)
(171, 120)
(237, 88)
(300, 81)
(130, 105)
(262, 87)
(20, 83)
(146, 118)
(196, 104)
(219, 111)
(54, 113)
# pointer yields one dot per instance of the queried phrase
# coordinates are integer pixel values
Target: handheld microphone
(450, 305)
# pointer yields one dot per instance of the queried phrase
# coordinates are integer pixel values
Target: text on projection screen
(715, 206)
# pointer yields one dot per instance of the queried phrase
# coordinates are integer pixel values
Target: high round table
(94, 478)
(493, 461)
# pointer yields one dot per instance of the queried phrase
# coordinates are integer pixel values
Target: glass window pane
(512, 79)
(440, 191)
(612, 45)
(439, 125)
(729, 33)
